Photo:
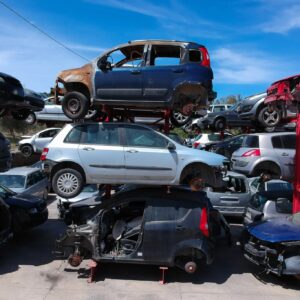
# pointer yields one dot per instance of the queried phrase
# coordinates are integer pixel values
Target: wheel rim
(67, 183)
(26, 151)
(271, 118)
(30, 119)
(91, 113)
(74, 105)
(180, 118)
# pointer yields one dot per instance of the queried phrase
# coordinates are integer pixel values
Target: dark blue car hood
(24, 201)
(275, 230)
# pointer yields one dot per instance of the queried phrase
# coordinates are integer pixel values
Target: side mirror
(171, 146)
(104, 65)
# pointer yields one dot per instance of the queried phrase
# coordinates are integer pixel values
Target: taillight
(196, 144)
(203, 226)
(205, 57)
(254, 152)
(44, 154)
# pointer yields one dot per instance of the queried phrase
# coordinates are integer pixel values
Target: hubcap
(180, 117)
(271, 118)
(29, 119)
(26, 151)
(73, 105)
(67, 183)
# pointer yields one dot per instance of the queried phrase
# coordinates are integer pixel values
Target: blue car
(148, 74)
(274, 244)
(20, 211)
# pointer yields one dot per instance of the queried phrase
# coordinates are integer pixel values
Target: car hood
(253, 99)
(209, 158)
(275, 230)
(27, 140)
(23, 200)
(81, 196)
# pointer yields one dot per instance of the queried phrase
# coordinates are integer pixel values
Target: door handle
(177, 70)
(135, 72)
(285, 154)
(132, 151)
(88, 149)
(180, 228)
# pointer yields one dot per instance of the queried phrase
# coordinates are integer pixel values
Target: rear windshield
(251, 141)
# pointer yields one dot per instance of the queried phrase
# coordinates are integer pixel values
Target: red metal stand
(167, 125)
(163, 270)
(93, 268)
(296, 196)
(222, 135)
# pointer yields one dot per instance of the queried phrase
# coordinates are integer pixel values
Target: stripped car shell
(185, 87)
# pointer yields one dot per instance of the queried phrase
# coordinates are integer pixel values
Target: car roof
(23, 171)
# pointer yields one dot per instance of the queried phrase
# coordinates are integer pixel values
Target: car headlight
(246, 108)
(33, 210)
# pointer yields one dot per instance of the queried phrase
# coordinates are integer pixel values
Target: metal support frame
(93, 268)
(163, 273)
(296, 195)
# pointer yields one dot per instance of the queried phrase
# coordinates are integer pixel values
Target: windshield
(89, 188)
(12, 181)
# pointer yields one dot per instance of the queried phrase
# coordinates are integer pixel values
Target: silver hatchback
(271, 153)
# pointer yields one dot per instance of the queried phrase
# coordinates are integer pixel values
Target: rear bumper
(231, 211)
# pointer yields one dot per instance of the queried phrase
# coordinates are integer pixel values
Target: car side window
(276, 142)
(74, 135)
(289, 141)
(144, 137)
(165, 55)
(101, 134)
(45, 134)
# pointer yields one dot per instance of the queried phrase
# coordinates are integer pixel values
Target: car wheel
(269, 118)
(220, 124)
(75, 105)
(21, 115)
(178, 119)
(190, 267)
(67, 183)
(26, 150)
(267, 168)
(31, 119)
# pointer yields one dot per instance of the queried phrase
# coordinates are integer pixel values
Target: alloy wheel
(67, 183)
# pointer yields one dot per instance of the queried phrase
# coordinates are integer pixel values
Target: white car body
(205, 138)
(123, 164)
(40, 140)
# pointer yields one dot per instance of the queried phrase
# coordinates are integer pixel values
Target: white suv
(121, 153)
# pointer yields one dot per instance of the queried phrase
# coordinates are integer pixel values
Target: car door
(163, 229)
(284, 147)
(147, 157)
(162, 70)
(123, 81)
(102, 154)
(45, 138)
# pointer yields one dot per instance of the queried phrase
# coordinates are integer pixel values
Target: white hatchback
(123, 153)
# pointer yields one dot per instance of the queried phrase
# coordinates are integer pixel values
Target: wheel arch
(265, 164)
(80, 87)
(68, 164)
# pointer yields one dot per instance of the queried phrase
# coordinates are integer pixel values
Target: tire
(267, 167)
(75, 105)
(21, 115)
(220, 124)
(178, 119)
(26, 150)
(31, 119)
(267, 119)
(67, 183)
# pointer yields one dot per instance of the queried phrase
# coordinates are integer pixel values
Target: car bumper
(231, 211)
(47, 166)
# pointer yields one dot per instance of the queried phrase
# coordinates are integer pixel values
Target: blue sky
(251, 42)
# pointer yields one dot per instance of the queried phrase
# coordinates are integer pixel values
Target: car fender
(203, 245)
(265, 159)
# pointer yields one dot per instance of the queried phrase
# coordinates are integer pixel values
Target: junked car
(274, 244)
(148, 74)
(5, 155)
(205, 140)
(52, 113)
(123, 153)
(36, 143)
(233, 197)
(148, 226)
(26, 180)
(25, 211)
(271, 153)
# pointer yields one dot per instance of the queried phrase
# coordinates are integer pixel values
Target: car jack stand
(93, 267)
(163, 271)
